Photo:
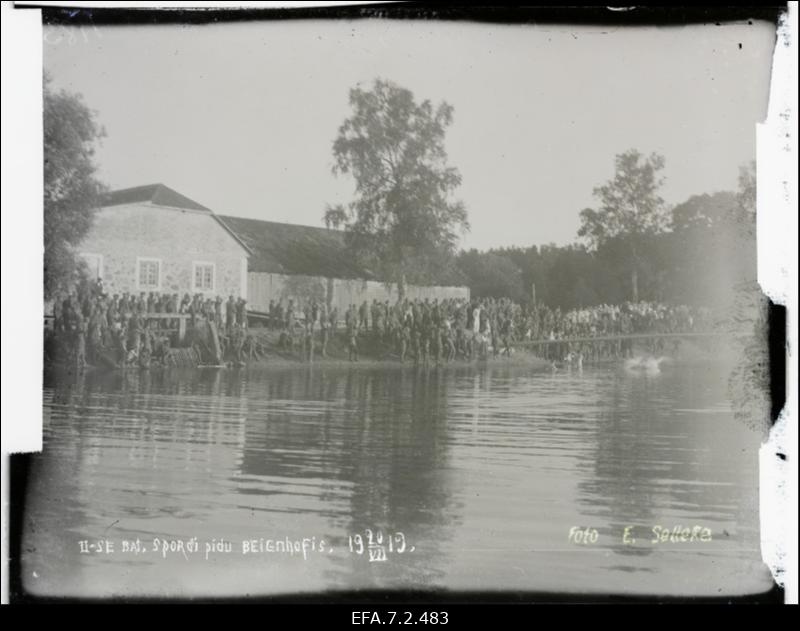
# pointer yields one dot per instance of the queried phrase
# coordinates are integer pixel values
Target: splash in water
(647, 364)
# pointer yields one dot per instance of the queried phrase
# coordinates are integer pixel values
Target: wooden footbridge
(641, 337)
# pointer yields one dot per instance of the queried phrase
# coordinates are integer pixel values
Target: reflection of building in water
(366, 448)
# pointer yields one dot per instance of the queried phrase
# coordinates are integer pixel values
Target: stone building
(152, 238)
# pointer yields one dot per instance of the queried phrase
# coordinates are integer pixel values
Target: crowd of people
(444, 330)
(93, 327)
(139, 329)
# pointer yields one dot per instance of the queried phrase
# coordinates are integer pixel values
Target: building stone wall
(177, 238)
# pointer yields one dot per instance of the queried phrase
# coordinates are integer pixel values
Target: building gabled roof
(161, 195)
(155, 194)
(282, 248)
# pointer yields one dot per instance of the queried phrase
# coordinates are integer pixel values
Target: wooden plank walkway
(627, 336)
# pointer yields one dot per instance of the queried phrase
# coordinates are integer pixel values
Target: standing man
(348, 317)
(374, 309)
(333, 318)
(241, 313)
(230, 312)
(352, 340)
(277, 321)
(324, 325)
(134, 332)
(405, 339)
(218, 312)
(80, 342)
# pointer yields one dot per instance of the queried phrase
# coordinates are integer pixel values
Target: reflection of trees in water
(622, 486)
(654, 466)
(376, 439)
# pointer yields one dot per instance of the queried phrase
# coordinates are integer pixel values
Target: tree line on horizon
(701, 256)
(404, 222)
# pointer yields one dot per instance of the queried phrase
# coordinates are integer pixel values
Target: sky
(241, 117)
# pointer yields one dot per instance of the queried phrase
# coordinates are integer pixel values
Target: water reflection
(485, 469)
(364, 450)
(669, 454)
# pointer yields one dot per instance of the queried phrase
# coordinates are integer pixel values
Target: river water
(499, 477)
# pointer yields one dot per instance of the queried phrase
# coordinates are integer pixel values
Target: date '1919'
(378, 545)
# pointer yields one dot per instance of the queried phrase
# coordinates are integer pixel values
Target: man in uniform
(124, 305)
(507, 335)
(447, 341)
(352, 340)
(374, 316)
(145, 352)
(95, 332)
(405, 339)
(134, 333)
(436, 342)
(241, 313)
(426, 331)
(230, 312)
(333, 318)
(348, 317)
(309, 341)
(324, 326)
(278, 320)
(121, 340)
(415, 343)
(80, 341)
(218, 312)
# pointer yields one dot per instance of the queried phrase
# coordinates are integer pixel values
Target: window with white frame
(203, 276)
(149, 273)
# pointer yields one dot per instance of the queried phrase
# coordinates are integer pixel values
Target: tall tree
(630, 212)
(403, 223)
(705, 212)
(71, 190)
(700, 251)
